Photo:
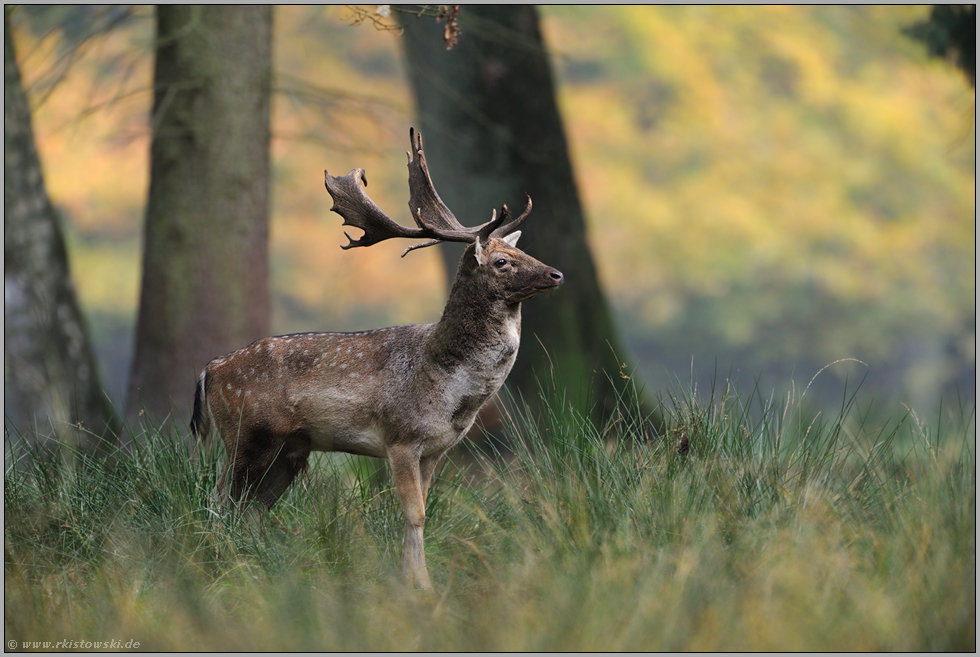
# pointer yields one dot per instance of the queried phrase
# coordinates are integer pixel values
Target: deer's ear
(479, 252)
(513, 237)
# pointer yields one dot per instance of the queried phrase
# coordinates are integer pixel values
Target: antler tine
(487, 229)
(507, 229)
(421, 245)
(428, 210)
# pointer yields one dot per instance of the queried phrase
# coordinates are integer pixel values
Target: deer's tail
(201, 417)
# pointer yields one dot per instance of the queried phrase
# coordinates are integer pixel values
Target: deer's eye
(500, 262)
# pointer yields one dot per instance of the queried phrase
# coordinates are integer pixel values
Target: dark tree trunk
(492, 132)
(205, 287)
(51, 381)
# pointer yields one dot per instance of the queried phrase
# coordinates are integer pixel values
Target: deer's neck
(476, 330)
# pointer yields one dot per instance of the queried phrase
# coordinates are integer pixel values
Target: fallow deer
(406, 394)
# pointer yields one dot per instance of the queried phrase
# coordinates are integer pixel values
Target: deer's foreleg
(408, 483)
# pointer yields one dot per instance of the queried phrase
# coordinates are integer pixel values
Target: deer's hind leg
(427, 470)
(265, 465)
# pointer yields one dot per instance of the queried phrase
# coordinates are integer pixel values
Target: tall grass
(748, 524)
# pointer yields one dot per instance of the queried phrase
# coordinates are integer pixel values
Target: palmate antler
(432, 218)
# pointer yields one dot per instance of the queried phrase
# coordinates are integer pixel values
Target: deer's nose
(556, 276)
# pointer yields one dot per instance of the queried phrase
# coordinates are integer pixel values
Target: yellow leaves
(107, 277)
(797, 149)
(670, 51)
(90, 129)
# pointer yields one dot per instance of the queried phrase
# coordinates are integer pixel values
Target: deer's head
(492, 263)
(503, 272)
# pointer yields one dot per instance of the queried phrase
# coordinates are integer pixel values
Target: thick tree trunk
(51, 381)
(492, 133)
(205, 287)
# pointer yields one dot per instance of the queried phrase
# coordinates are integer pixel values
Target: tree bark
(205, 288)
(492, 132)
(52, 391)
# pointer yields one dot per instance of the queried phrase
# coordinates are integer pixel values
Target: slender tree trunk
(205, 287)
(51, 381)
(492, 132)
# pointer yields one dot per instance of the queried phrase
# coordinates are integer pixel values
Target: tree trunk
(205, 288)
(492, 133)
(52, 390)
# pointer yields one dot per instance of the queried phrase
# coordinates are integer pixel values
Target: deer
(404, 394)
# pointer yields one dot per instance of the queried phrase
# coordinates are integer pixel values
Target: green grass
(777, 530)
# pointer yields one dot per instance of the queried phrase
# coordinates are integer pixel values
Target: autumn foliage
(781, 186)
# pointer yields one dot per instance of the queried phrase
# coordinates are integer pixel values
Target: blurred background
(766, 190)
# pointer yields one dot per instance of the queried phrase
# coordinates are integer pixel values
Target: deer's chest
(471, 384)
(482, 375)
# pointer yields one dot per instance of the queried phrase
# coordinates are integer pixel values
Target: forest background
(767, 190)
